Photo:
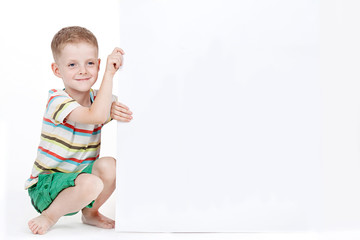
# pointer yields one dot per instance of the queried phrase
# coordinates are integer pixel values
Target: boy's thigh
(50, 185)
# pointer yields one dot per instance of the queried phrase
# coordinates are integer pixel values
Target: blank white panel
(227, 103)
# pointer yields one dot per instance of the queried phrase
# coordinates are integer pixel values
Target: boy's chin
(79, 89)
(84, 86)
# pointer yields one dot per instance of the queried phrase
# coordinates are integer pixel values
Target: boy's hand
(120, 112)
(114, 61)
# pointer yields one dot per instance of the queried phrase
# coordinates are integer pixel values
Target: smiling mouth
(82, 79)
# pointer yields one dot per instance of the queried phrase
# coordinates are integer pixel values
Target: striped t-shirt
(65, 146)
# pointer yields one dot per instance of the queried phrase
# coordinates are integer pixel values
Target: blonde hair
(73, 34)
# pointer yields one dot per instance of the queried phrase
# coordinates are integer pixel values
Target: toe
(107, 225)
(111, 223)
(41, 231)
(35, 229)
(31, 224)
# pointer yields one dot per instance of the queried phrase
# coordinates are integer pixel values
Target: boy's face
(78, 66)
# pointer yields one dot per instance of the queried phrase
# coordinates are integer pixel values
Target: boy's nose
(82, 70)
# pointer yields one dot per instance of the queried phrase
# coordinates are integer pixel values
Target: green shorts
(47, 188)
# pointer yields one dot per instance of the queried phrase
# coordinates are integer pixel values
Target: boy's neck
(83, 98)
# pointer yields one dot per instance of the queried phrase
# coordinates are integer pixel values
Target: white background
(27, 28)
(228, 103)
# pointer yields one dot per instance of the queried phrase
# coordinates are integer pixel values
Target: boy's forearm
(100, 109)
(102, 103)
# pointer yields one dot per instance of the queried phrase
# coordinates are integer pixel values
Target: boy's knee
(106, 168)
(90, 185)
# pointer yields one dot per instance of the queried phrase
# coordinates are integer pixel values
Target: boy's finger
(121, 117)
(122, 108)
(118, 50)
(122, 105)
(121, 112)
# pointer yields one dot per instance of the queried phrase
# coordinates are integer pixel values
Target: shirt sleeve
(59, 106)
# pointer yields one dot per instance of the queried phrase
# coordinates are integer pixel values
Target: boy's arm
(99, 111)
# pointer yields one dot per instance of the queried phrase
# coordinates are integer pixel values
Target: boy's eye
(91, 63)
(71, 65)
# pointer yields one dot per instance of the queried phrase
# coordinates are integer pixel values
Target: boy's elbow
(98, 117)
(104, 118)
(100, 120)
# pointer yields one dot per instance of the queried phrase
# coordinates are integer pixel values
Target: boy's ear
(99, 60)
(55, 69)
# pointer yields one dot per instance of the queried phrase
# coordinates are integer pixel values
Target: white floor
(17, 211)
(71, 228)
(15, 227)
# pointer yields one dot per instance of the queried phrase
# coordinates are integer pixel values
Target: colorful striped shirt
(65, 146)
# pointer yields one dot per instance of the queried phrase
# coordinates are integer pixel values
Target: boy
(68, 174)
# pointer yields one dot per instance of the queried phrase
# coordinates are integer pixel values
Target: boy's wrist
(108, 74)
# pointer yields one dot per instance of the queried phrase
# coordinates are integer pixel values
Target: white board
(226, 135)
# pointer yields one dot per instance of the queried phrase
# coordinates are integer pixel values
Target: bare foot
(97, 219)
(41, 224)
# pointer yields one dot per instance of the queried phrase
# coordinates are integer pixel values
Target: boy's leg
(105, 169)
(87, 188)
